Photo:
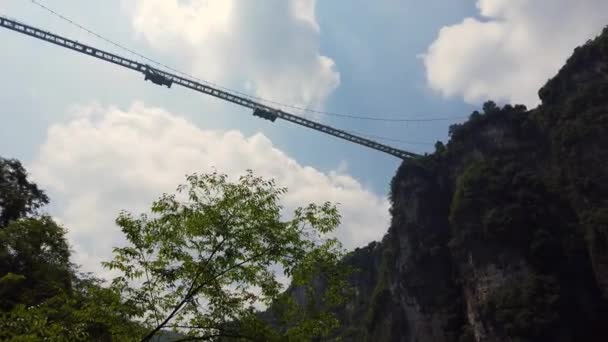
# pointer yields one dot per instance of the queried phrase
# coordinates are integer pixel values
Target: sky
(99, 139)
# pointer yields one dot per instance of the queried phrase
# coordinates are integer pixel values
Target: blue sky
(99, 139)
(371, 43)
(376, 45)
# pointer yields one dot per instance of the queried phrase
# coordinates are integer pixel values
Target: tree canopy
(42, 294)
(205, 262)
(18, 196)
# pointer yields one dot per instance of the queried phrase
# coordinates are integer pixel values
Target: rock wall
(502, 234)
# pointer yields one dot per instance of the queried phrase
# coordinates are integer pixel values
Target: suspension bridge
(168, 79)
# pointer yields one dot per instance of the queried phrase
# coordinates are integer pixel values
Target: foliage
(499, 200)
(42, 296)
(381, 296)
(562, 88)
(525, 309)
(90, 313)
(464, 132)
(18, 196)
(205, 258)
(207, 262)
(34, 262)
(439, 148)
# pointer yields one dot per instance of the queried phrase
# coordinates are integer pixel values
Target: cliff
(502, 233)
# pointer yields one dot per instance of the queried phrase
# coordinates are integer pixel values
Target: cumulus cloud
(269, 48)
(513, 50)
(104, 160)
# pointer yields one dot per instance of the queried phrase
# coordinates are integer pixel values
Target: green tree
(490, 107)
(18, 196)
(34, 262)
(42, 297)
(203, 260)
(90, 312)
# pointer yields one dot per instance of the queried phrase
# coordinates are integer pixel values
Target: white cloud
(104, 160)
(513, 51)
(268, 47)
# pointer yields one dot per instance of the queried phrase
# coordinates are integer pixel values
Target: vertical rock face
(502, 234)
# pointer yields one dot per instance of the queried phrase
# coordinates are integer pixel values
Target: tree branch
(188, 295)
(192, 291)
(150, 293)
(208, 337)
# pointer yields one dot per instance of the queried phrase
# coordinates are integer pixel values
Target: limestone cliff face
(502, 234)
